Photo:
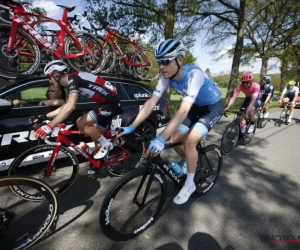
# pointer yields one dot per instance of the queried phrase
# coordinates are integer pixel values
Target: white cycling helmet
(170, 48)
(55, 65)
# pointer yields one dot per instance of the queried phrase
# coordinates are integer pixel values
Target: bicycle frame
(110, 37)
(21, 19)
(61, 138)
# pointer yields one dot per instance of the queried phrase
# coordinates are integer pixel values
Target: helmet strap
(178, 68)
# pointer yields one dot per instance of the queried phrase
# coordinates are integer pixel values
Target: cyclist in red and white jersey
(252, 100)
(89, 85)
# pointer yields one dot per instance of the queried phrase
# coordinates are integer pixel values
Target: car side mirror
(5, 105)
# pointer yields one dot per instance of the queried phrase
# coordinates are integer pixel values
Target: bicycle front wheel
(146, 66)
(92, 62)
(33, 163)
(129, 208)
(23, 223)
(209, 165)
(23, 60)
(230, 137)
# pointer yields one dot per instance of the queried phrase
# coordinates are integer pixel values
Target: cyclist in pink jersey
(252, 100)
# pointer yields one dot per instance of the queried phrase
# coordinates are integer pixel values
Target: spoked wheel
(120, 168)
(23, 223)
(23, 60)
(92, 62)
(262, 122)
(124, 214)
(109, 53)
(248, 137)
(208, 168)
(149, 69)
(230, 137)
(33, 163)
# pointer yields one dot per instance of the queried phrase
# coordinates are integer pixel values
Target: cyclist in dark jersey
(89, 85)
(267, 92)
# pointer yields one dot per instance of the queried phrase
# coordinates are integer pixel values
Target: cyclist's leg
(207, 117)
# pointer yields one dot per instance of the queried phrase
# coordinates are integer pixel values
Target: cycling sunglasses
(246, 83)
(165, 62)
(50, 75)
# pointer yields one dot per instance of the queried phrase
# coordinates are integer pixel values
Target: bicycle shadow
(198, 241)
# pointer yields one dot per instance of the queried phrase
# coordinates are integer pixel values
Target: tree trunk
(264, 66)
(169, 33)
(283, 71)
(235, 64)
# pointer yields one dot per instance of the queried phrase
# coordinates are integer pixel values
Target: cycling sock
(102, 141)
(189, 182)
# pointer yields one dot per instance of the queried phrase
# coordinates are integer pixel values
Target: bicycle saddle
(69, 8)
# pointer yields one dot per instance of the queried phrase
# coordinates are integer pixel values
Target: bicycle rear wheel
(92, 62)
(144, 57)
(33, 163)
(209, 165)
(23, 60)
(23, 223)
(122, 215)
(109, 54)
(230, 137)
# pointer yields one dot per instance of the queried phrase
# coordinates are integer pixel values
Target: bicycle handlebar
(232, 111)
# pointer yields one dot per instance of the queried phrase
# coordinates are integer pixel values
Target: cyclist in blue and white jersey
(291, 92)
(200, 109)
(267, 92)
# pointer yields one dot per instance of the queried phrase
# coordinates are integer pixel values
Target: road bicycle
(233, 132)
(61, 168)
(22, 44)
(260, 117)
(135, 201)
(141, 61)
(24, 222)
(285, 114)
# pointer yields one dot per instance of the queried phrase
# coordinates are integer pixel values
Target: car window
(120, 91)
(137, 92)
(32, 95)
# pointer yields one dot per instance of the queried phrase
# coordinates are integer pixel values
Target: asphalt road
(256, 197)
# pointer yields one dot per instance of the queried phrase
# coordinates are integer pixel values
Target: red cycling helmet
(247, 77)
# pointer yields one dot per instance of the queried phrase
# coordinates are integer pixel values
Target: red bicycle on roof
(21, 44)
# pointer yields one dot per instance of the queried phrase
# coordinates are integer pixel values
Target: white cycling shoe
(184, 194)
(266, 115)
(251, 129)
(103, 151)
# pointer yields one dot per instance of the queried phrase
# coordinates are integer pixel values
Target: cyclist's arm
(146, 110)
(65, 110)
(54, 112)
(282, 95)
(53, 102)
(233, 98)
(268, 98)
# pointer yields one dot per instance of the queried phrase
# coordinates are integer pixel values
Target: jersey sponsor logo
(157, 107)
(213, 91)
(70, 81)
(105, 113)
(117, 122)
(99, 89)
(109, 86)
(139, 95)
(156, 90)
(184, 93)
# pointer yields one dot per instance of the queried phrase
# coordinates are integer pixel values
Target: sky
(204, 60)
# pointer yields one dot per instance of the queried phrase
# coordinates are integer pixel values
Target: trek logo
(99, 89)
(109, 86)
(24, 136)
(139, 95)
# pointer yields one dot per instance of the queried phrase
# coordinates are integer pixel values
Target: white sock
(102, 141)
(189, 182)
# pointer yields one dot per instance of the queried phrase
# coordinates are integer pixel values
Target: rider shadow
(198, 241)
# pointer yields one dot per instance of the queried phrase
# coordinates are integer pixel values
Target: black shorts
(246, 102)
(104, 114)
(207, 115)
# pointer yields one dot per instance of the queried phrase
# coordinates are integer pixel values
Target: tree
(224, 20)
(207, 71)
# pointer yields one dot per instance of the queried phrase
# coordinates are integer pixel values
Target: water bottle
(243, 126)
(184, 170)
(86, 148)
(175, 166)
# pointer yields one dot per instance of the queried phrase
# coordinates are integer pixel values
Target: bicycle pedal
(91, 172)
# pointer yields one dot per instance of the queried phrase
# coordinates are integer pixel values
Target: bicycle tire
(206, 175)
(16, 213)
(146, 73)
(11, 65)
(122, 167)
(110, 55)
(235, 136)
(93, 62)
(117, 202)
(38, 156)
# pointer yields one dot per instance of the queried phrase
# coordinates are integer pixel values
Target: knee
(189, 143)
(80, 124)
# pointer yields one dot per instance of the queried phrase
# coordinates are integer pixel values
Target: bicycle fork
(151, 176)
